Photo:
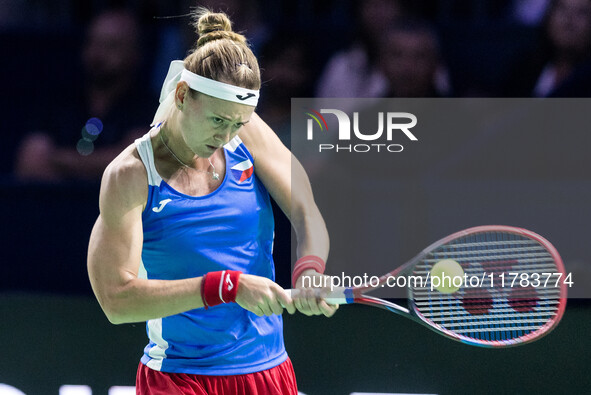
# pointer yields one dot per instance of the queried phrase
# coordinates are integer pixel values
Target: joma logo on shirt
(162, 204)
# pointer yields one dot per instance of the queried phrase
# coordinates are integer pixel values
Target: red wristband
(305, 263)
(219, 287)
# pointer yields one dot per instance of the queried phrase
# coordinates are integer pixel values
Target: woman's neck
(174, 144)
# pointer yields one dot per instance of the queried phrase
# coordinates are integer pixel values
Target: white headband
(177, 73)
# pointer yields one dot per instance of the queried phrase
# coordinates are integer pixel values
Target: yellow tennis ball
(447, 276)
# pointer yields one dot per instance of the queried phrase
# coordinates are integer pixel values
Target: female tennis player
(185, 233)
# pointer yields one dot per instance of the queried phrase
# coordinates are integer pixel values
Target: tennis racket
(513, 291)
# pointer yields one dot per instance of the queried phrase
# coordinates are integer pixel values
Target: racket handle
(339, 295)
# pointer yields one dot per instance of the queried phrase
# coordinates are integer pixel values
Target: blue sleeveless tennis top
(186, 236)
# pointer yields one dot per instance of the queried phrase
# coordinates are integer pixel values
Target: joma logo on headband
(248, 96)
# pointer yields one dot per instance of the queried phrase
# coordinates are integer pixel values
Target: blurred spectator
(529, 12)
(113, 91)
(354, 73)
(287, 73)
(35, 15)
(560, 65)
(176, 35)
(410, 60)
(246, 18)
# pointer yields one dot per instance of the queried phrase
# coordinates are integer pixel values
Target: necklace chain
(214, 174)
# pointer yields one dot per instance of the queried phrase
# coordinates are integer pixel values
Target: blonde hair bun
(220, 53)
(211, 26)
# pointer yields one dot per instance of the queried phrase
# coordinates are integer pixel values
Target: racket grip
(339, 295)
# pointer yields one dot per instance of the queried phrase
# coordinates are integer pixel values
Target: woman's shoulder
(125, 180)
(127, 164)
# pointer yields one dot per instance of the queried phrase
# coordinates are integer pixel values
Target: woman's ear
(182, 90)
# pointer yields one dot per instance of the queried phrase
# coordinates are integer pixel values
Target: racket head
(492, 313)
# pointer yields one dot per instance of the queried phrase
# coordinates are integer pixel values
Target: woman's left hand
(307, 301)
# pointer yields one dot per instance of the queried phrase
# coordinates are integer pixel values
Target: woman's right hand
(262, 296)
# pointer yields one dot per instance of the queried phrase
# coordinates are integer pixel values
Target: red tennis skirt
(278, 380)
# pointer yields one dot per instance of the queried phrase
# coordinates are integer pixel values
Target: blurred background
(81, 81)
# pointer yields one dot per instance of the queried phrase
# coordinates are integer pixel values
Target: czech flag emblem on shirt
(243, 170)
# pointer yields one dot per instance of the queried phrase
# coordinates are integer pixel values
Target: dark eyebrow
(229, 120)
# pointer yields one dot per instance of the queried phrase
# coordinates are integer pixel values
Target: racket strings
(451, 307)
(490, 311)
